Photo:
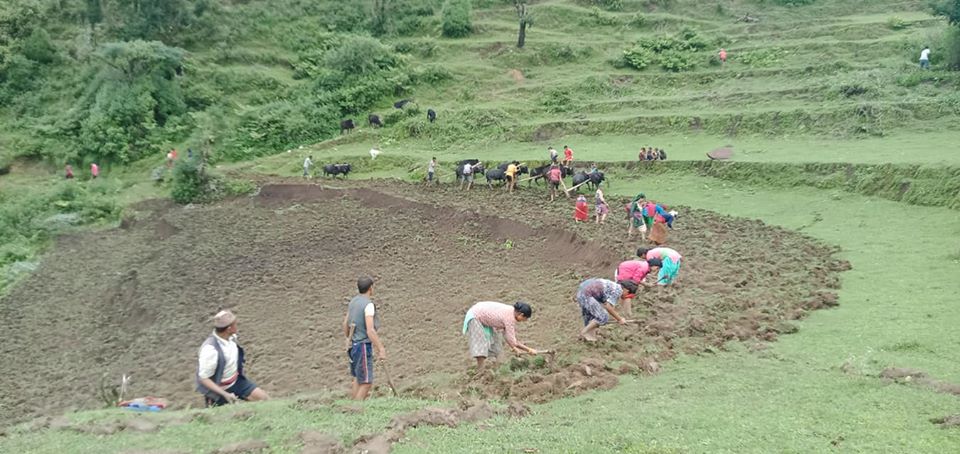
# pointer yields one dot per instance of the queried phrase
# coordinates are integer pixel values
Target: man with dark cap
(220, 368)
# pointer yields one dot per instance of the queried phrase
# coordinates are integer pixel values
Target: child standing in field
(602, 208)
(431, 169)
(723, 57)
(581, 209)
(94, 170)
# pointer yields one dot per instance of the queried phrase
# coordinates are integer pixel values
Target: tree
(949, 9)
(378, 25)
(526, 21)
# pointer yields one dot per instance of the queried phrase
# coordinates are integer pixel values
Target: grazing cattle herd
(467, 169)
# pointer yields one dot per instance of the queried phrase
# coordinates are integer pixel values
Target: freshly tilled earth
(137, 299)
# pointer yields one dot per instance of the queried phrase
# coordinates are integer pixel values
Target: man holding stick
(360, 327)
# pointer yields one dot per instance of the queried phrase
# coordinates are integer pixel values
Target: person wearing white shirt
(220, 367)
(925, 58)
(307, 163)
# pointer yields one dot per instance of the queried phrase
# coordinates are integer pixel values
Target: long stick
(575, 187)
(386, 369)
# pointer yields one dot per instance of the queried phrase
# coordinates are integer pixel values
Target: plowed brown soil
(136, 299)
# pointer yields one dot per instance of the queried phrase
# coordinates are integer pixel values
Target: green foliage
(949, 9)
(180, 22)
(761, 57)
(638, 57)
(793, 2)
(609, 5)
(135, 93)
(456, 19)
(952, 50)
(39, 48)
(897, 23)
(420, 48)
(557, 100)
(677, 61)
(192, 183)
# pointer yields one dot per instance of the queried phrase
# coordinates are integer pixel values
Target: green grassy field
(780, 100)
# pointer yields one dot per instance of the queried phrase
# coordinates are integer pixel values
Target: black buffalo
(596, 178)
(496, 174)
(580, 178)
(473, 162)
(336, 169)
(346, 125)
(431, 115)
(539, 173)
(399, 104)
(375, 121)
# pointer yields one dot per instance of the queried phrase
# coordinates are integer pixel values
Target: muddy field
(136, 299)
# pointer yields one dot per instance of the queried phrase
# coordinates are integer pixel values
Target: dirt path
(136, 299)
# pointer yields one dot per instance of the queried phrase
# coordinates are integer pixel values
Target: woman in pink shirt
(636, 271)
(487, 322)
(94, 170)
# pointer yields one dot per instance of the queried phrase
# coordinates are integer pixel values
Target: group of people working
(652, 154)
(487, 325)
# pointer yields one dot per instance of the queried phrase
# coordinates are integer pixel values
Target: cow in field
(375, 121)
(336, 169)
(346, 125)
(399, 104)
(431, 115)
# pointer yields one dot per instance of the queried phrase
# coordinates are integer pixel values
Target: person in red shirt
(554, 177)
(69, 171)
(94, 170)
(567, 155)
(581, 209)
(723, 56)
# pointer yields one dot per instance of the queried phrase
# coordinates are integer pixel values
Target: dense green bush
(609, 5)
(39, 48)
(192, 183)
(677, 61)
(456, 19)
(952, 51)
(638, 57)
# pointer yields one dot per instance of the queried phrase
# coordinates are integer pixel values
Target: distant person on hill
(431, 169)
(488, 323)
(602, 208)
(468, 175)
(663, 154)
(581, 210)
(69, 172)
(925, 58)
(553, 154)
(170, 160)
(649, 154)
(598, 299)
(567, 155)
(723, 56)
(189, 153)
(94, 170)
(360, 327)
(643, 154)
(307, 163)
(670, 260)
(220, 376)
(554, 178)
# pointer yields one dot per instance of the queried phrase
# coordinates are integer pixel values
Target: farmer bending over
(670, 263)
(598, 299)
(360, 327)
(635, 271)
(220, 370)
(487, 323)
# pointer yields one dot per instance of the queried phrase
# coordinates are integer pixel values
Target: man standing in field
(487, 323)
(511, 174)
(554, 177)
(360, 327)
(307, 163)
(925, 58)
(553, 155)
(220, 368)
(468, 175)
